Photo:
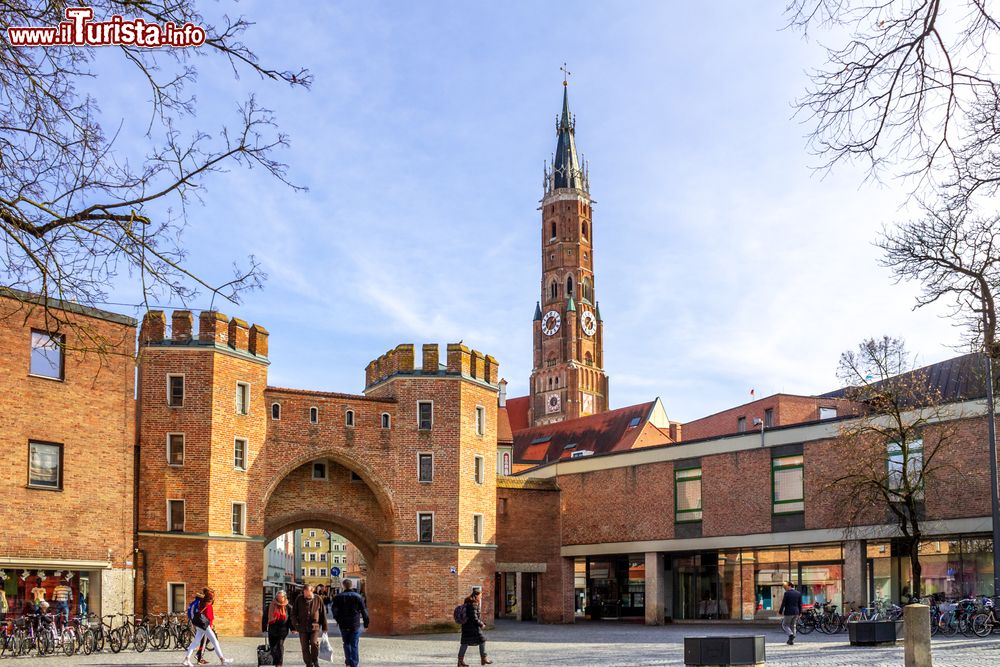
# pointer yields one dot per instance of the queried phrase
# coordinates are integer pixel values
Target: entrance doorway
(529, 596)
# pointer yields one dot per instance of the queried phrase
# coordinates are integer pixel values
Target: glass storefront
(66, 591)
(616, 587)
(952, 567)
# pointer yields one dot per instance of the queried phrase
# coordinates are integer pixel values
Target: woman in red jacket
(203, 621)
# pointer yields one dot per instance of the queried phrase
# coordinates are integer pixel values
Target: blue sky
(723, 262)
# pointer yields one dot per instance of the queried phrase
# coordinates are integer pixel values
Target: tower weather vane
(566, 74)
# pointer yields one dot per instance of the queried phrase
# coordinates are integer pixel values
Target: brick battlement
(214, 329)
(459, 361)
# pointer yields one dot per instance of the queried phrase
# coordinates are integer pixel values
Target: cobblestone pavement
(581, 645)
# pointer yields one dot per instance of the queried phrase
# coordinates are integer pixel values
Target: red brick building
(67, 437)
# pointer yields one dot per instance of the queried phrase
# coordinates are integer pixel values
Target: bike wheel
(806, 626)
(44, 644)
(68, 641)
(157, 637)
(184, 637)
(89, 642)
(114, 641)
(140, 639)
(981, 625)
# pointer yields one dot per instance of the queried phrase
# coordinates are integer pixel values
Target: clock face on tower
(552, 404)
(550, 323)
(589, 323)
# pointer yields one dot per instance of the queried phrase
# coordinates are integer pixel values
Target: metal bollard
(917, 644)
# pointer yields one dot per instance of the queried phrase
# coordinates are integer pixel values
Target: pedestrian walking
(279, 622)
(472, 628)
(309, 619)
(204, 621)
(351, 615)
(192, 611)
(791, 607)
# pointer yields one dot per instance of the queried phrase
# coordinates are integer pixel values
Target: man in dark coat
(472, 629)
(791, 607)
(350, 613)
(309, 619)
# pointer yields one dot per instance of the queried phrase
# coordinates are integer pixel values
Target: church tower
(568, 379)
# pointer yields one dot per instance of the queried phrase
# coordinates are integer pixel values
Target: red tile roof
(517, 412)
(504, 433)
(601, 433)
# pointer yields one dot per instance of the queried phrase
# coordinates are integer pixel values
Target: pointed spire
(571, 306)
(566, 171)
(597, 309)
(538, 312)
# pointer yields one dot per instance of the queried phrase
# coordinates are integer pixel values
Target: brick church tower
(568, 379)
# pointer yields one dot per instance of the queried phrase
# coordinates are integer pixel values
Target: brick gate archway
(226, 462)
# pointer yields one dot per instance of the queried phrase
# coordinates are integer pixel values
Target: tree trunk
(915, 567)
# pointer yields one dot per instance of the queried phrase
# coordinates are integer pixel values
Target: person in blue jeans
(351, 614)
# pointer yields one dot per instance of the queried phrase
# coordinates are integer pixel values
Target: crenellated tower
(568, 379)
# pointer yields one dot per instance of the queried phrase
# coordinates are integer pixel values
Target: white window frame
(170, 527)
(431, 403)
(312, 533)
(479, 469)
(322, 557)
(349, 418)
(312, 556)
(433, 522)
(306, 544)
(62, 354)
(304, 570)
(246, 454)
(480, 420)
(828, 409)
(273, 404)
(322, 571)
(386, 420)
(243, 518)
(240, 384)
(183, 449)
(313, 409)
(170, 597)
(326, 471)
(312, 572)
(430, 454)
(183, 389)
(481, 538)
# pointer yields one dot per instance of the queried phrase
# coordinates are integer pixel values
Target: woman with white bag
(203, 621)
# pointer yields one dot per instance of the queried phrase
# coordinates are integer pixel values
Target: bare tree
(76, 209)
(898, 444)
(907, 87)
(955, 256)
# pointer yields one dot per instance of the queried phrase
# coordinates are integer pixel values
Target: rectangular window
(312, 572)
(425, 467)
(242, 398)
(45, 463)
(477, 528)
(175, 449)
(425, 527)
(827, 413)
(322, 557)
(175, 516)
(687, 495)
(239, 519)
(741, 424)
(306, 544)
(787, 491)
(425, 415)
(906, 476)
(303, 572)
(319, 470)
(175, 391)
(176, 598)
(480, 420)
(769, 418)
(322, 571)
(312, 533)
(312, 556)
(480, 467)
(47, 355)
(240, 454)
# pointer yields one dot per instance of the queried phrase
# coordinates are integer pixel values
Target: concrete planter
(737, 650)
(873, 633)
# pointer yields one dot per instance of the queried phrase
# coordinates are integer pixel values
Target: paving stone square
(581, 645)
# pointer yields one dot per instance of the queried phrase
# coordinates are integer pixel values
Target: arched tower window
(553, 230)
(585, 236)
(553, 290)
(589, 359)
(569, 285)
(585, 289)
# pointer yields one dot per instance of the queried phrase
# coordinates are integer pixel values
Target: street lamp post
(994, 493)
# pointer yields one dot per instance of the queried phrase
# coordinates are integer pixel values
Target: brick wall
(91, 413)
(787, 410)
